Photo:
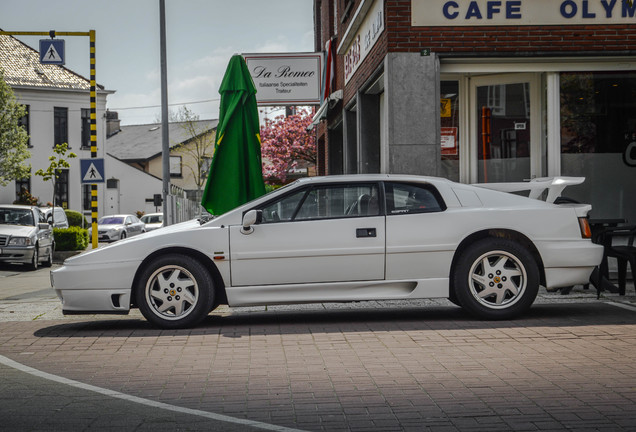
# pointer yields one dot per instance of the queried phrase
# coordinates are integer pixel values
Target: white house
(58, 104)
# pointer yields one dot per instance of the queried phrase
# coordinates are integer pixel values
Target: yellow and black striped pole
(93, 122)
(93, 139)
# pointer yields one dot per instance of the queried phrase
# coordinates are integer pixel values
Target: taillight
(584, 224)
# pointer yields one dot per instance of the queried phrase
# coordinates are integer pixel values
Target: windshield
(111, 220)
(16, 216)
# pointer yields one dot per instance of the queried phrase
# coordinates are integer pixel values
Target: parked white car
(341, 239)
(25, 236)
(55, 216)
(116, 227)
(152, 221)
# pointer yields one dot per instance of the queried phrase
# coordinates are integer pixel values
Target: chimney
(112, 123)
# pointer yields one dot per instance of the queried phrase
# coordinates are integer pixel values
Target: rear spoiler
(537, 186)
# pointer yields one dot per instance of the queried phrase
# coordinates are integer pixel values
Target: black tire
(175, 291)
(496, 279)
(36, 258)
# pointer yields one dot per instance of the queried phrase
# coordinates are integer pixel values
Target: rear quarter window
(408, 198)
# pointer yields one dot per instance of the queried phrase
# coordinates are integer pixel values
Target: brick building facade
(484, 91)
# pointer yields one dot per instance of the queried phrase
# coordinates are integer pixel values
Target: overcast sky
(202, 35)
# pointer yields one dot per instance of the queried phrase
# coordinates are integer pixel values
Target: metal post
(165, 137)
(94, 215)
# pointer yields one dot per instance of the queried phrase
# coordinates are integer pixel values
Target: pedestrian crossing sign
(92, 170)
(52, 51)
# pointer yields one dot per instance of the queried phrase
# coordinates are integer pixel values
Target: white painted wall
(135, 186)
(41, 103)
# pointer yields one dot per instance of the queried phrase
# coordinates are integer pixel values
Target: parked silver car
(25, 236)
(120, 226)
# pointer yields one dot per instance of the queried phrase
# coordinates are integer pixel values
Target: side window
(328, 202)
(283, 209)
(325, 202)
(404, 198)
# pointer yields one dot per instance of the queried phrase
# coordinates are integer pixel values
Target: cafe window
(598, 140)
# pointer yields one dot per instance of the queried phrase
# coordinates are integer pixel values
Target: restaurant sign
(286, 78)
(365, 38)
(431, 13)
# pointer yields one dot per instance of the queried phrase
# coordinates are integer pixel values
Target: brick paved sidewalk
(564, 366)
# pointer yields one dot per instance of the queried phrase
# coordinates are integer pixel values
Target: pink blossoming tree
(285, 142)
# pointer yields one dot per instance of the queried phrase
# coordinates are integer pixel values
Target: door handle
(365, 232)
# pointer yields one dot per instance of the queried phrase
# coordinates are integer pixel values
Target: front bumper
(16, 254)
(95, 288)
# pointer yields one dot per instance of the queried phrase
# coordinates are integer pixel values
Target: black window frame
(60, 126)
(25, 122)
(86, 129)
(61, 192)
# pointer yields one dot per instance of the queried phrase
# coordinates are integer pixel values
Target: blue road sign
(52, 51)
(92, 170)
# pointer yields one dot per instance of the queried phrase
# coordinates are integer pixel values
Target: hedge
(70, 239)
(75, 218)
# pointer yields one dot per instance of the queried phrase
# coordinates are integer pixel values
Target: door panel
(331, 250)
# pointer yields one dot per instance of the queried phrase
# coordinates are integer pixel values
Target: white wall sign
(286, 79)
(521, 12)
(368, 34)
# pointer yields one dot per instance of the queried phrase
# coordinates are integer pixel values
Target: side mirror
(252, 217)
(44, 226)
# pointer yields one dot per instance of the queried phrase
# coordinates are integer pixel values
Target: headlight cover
(20, 241)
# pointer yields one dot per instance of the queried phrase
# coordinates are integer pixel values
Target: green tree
(56, 163)
(13, 138)
(197, 149)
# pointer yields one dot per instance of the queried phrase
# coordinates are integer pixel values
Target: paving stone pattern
(563, 366)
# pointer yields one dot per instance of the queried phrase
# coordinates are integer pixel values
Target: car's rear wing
(537, 186)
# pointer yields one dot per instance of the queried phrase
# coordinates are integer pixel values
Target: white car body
(392, 254)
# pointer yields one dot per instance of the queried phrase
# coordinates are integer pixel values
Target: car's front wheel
(496, 279)
(35, 261)
(49, 256)
(175, 291)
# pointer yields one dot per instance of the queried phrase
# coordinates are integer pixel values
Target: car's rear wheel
(175, 291)
(496, 279)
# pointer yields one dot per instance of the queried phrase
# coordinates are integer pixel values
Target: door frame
(534, 81)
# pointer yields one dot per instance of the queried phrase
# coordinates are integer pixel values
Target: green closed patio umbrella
(236, 175)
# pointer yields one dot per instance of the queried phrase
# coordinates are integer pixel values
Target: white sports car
(341, 239)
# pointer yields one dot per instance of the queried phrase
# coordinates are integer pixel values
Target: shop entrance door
(505, 128)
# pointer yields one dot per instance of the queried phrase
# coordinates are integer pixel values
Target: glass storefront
(598, 140)
(449, 110)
